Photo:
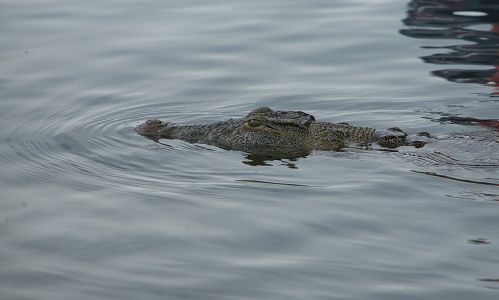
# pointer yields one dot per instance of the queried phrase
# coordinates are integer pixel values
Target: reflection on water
(479, 241)
(263, 159)
(488, 123)
(456, 179)
(450, 20)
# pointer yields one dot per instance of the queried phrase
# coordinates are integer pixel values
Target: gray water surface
(91, 210)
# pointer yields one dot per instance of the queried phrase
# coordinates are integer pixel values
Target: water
(91, 210)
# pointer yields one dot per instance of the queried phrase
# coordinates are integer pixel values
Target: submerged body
(266, 130)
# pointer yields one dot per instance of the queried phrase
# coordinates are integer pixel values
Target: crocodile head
(265, 133)
(292, 125)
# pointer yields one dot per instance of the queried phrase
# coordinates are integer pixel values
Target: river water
(91, 210)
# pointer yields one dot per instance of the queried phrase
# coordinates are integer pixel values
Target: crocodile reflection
(451, 20)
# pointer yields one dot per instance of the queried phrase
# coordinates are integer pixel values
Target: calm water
(91, 210)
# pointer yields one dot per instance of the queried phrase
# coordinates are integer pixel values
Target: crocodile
(265, 130)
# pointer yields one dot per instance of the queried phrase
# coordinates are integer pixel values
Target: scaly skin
(266, 130)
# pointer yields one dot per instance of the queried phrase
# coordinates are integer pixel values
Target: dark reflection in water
(456, 179)
(479, 241)
(489, 123)
(449, 20)
(262, 159)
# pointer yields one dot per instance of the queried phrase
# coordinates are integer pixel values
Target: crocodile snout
(150, 128)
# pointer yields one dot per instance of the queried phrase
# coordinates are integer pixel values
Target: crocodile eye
(254, 123)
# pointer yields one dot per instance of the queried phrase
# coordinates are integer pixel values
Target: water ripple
(93, 149)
